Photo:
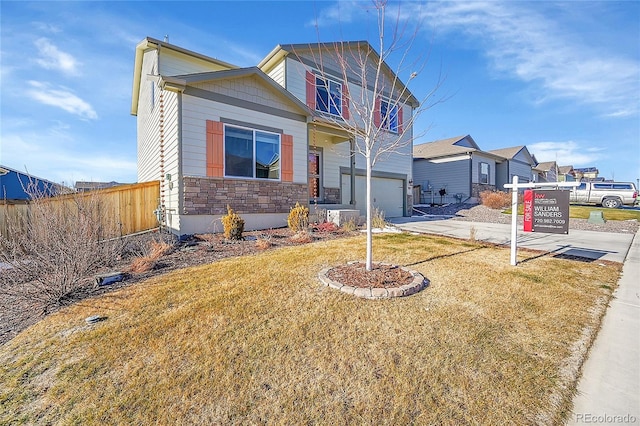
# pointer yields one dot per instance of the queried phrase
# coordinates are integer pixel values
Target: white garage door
(387, 194)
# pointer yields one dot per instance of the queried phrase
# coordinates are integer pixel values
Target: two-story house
(453, 170)
(258, 139)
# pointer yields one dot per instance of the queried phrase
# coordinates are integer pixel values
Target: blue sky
(562, 78)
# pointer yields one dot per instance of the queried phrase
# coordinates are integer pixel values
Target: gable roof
(565, 170)
(283, 50)
(512, 152)
(444, 147)
(546, 166)
(149, 43)
(180, 82)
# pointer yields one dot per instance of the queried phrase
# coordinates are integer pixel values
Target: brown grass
(301, 237)
(145, 263)
(258, 340)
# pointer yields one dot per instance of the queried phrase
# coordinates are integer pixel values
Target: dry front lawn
(258, 340)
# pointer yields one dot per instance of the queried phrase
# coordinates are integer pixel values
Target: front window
(484, 173)
(328, 96)
(389, 116)
(251, 153)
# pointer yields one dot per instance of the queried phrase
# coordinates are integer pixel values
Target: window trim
(480, 174)
(326, 84)
(385, 122)
(253, 160)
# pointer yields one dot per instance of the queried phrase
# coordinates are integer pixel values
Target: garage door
(387, 194)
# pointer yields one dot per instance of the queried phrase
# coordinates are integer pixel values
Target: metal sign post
(514, 206)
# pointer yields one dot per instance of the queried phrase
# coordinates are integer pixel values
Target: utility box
(596, 217)
(341, 216)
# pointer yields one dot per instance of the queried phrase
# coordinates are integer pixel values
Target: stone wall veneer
(210, 195)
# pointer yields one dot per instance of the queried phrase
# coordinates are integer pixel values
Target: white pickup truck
(608, 194)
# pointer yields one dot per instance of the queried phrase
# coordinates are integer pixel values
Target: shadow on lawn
(443, 256)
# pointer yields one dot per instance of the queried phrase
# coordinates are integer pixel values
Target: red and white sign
(528, 210)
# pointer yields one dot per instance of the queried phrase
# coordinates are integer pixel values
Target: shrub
(325, 227)
(147, 262)
(298, 219)
(377, 219)
(495, 199)
(263, 241)
(350, 225)
(301, 237)
(233, 225)
(56, 247)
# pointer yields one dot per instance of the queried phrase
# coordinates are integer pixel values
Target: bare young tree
(51, 250)
(376, 102)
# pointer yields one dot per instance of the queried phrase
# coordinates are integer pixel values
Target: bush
(495, 199)
(233, 225)
(301, 237)
(325, 227)
(350, 225)
(263, 242)
(298, 219)
(148, 261)
(377, 219)
(56, 247)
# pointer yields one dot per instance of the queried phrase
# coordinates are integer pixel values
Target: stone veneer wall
(477, 188)
(210, 196)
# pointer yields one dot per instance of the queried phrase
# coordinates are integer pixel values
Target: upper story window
(389, 116)
(251, 153)
(328, 96)
(484, 172)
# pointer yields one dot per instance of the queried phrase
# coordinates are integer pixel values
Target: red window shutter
(286, 165)
(311, 90)
(345, 100)
(400, 118)
(215, 149)
(377, 118)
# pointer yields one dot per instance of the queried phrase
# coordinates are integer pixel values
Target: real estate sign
(546, 211)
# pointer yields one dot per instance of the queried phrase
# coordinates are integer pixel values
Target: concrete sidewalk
(609, 388)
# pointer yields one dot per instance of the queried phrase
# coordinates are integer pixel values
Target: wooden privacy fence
(124, 209)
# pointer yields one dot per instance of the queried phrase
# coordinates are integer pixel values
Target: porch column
(352, 163)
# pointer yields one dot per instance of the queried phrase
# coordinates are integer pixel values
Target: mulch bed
(381, 275)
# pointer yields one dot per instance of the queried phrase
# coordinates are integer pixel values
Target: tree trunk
(369, 264)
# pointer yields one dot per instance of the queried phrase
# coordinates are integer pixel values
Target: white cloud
(525, 44)
(51, 58)
(37, 153)
(61, 98)
(566, 153)
(339, 12)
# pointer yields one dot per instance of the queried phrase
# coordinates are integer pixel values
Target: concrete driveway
(585, 244)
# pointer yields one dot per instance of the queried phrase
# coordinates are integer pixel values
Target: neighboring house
(546, 172)
(251, 138)
(566, 174)
(20, 186)
(587, 174)
(518, 161)
(456, 167)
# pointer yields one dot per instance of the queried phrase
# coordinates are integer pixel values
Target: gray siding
(453, 176)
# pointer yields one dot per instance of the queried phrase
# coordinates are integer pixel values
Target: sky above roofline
(561, 78)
